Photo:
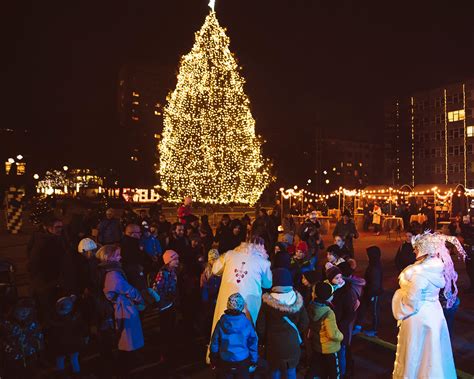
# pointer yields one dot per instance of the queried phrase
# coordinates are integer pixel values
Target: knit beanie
(346, 269)
(282, 281)
(170, 255)
(323, 291)
(311, 276)
(282, 260)
(303, 246)
(213, 255)
(236, 302)
(332, 271)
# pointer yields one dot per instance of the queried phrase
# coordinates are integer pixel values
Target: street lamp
(11, 160)
(19, 157)
(36, 176)
(327, 181)
(65, 168)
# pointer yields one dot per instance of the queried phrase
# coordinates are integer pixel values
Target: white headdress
(434, 245)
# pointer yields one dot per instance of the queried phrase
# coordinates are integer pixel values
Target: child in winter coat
(234, 343)
(21, 340)
(324, 336)
(301, 262)
(372, 292)
(345, 308)
(67, 334)
(334, 257)
(281, 323)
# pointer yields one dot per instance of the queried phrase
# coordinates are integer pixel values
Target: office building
(429, 136)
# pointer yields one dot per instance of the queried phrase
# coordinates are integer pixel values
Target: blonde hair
(106, 252)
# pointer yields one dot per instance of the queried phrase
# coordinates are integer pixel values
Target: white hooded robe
(424, 346)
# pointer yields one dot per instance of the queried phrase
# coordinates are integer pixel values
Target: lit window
(8, 167)
(135, 94)
(20, 168)
(456, 115)
(470, 131)
(135, 102)
(157, 113)
(135, 118)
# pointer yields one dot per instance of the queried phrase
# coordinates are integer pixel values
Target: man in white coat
(245, 270)
(424, 346)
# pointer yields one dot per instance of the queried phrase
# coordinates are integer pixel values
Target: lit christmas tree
(209, 149)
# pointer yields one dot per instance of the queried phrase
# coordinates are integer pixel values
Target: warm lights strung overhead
(209, 149)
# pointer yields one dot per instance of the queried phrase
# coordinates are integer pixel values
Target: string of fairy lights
(209, 148)
(387, 194)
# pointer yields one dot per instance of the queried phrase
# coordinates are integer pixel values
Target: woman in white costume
(424, 347)
(245, 270)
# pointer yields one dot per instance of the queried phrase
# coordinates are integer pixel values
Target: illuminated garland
(209, 149)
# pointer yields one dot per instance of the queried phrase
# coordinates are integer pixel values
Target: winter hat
(86, 244)
(213, 255)
(236, 302)
(282, 260)
(303, 246)
(65, 305)
(311, 276)
(282, 281)
(323, 291)
(345, 269)
(170, 255)
(332, 271)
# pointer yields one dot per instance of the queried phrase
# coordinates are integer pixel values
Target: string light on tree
(209, 148)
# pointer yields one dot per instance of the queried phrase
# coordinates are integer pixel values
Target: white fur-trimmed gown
(424, 346)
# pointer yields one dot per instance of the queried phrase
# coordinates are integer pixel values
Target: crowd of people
(266, 293)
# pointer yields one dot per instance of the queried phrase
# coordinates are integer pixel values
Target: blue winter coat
(234, 338)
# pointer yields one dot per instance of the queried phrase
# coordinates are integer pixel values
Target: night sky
(307, 63)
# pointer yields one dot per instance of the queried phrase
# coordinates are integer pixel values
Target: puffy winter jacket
(324, 335)
(234, 338)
